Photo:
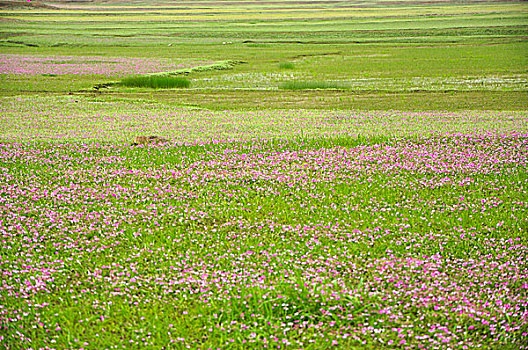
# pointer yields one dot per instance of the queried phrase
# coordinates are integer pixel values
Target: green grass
(286, 65)
(389, 56)
(155, 82)
(223, 65)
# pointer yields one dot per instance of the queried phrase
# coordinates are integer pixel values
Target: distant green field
(376, 49)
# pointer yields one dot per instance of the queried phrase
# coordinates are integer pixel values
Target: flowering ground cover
(358, 180)
(341, 229)
(29, 65)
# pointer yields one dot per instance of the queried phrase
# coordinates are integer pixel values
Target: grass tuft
(311, 85)
(286, 65)
(156, 82)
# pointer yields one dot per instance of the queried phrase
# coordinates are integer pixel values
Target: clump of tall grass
(286, 65)
(311, 85)
(155, 82)
(221, 65)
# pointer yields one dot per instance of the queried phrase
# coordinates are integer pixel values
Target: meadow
(340, 174)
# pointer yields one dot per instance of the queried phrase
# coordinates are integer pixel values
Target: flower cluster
(84, 65)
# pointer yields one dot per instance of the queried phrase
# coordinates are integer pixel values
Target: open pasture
(381, 55)
(340, 174)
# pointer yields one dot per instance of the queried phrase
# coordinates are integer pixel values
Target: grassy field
(340, 174)
(374, 51)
